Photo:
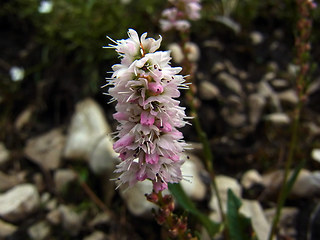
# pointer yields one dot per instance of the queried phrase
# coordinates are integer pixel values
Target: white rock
(62, 177)
(88, 128)
(315, 154)
(193, 51)
(54, 216)
(4, 154)
(45, 150)
(230, 82)
(256, 38)
(9, 181)
(103, 158)
(306, 185)
(265, 90)
(17, 203)
(279, 83)
(176, 52)
(6, 229)
(278, 118)
(254, 211)
(208, 91)
(289, 96)
(97, 235)
(39, 231)
(70, 219)
(256, 104)
(101, 218)
(218, 67)
(192, 167)
(135, 199)
(250, 178)
(224, 183)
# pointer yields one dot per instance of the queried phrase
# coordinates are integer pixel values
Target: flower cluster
(177, 16)
(144, 86)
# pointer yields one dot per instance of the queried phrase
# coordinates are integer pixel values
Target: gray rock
(6, 229)
(278, 119)
(250, 178)
(289, 97)
(39, 231)
(279, 83)
(256, 38)
(97, 235)
(54, 216)
(88, 128)
(315, 154)
(218, 67)
(70, 219)
(101, 218)
(9, 181)
(191, 170)
(256, 104)
(17, 203)
(230, 67)
(230, 82)
(45, 150)
(62, 177)
(4, 154)
(208, 91)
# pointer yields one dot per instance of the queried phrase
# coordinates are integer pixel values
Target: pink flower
(144, 86)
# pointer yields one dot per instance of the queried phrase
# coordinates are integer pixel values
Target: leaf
(186, 203)
(239, 226)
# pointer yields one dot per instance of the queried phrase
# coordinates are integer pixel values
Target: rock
(39, 231)
(62, 177)
(251, 178)
(256, 38)
(268, 76)
(233, 111)
(208, 91)
(100, 219)
(71, 220)
(273, 66)
(256, 104)
(287, 223)
(230, 82)
(6, 229)
(278, 119)
(192, 167)
(315, 154)
(224, 183)
(97, 235)
(39, 181)
(265, 90)
(9, 181)
(54, 216)
(17, 203)
(279, 84)
(193, 51)
(135, 199)
(45, 150)
(289, 97)
(254, 211)
(88, 128)
(24, 118)
(4, 154)
(103, 158)
(218, 67)
(231, 69)
(176, 52)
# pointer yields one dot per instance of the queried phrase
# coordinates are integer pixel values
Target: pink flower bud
(146, 118)
(155, 87)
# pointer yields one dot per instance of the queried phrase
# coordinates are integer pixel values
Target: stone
(103, 158)
(289, 97)
(70, 219)
(208, 91)
(54, 216)
(230, 67)
(256, 38)
(278, 119)
(251, 178)
(280, 84)
(4, 154)
(193, 51)
(88, 127)
(253, 210)
(265, 90)
(224, 183)
(20, 201)
(24, 118)
(135, 199)
(218, 67)
(45, 150)
(192, 168)
(9, 181)
(39, 231)
(256, 104)
(6, 229)
(97, 235)
(100, 219)
(230, 82)
(62, 177)
(315, 154)
(176, 52)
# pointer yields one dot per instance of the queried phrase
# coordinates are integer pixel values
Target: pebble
(315, 154)
(88, 127)
(62, 177)
(97, 235)
(230, 82)
(39, 231)
(20, 201)
(208, 91)
(70, 219)
(251, 178)
(289, 97)
(45, 150)
(6, 229)
(278, 119)
(256, 38)
(4, 154)
(256, 104)
(9, 181)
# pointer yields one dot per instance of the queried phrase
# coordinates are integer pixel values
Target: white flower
(16, 73)
(45, 6)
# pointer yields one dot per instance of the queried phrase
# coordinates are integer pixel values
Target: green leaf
(186, 203)
(239, 226)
